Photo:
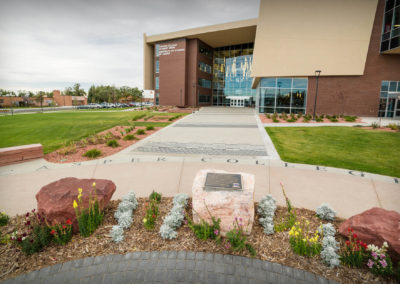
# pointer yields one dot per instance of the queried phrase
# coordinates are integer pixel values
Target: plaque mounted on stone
(220, 181)
(225, 196)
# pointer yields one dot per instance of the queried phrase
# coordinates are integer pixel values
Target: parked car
(83, 107)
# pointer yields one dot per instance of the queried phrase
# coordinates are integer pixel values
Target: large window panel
(284, 82)
(298, 98)
(283, 98)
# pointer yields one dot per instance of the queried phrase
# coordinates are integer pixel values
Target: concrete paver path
(169, 267)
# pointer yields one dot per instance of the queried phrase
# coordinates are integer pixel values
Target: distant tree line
(112, 94)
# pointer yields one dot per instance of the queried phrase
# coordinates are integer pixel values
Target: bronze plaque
(227, 182)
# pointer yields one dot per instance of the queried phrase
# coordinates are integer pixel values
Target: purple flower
(240, 219)
(185, 222)
(216, 232)
(374, 255)
(227, 246)
(235, 218)
(383, 263)
(382, 255)
(370, 263)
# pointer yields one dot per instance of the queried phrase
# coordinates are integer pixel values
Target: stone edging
(169, 267)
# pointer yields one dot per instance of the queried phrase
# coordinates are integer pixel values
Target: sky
(52, 44)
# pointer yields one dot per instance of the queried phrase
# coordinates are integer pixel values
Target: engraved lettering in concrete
(356, 173)
(107, 161)
(321, 169)
(232, 161)
(161, 159)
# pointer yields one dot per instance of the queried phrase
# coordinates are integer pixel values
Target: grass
(341, 147)
(54, 130)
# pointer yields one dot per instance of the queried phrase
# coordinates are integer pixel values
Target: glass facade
(157, 98)
(204, 99)
(231, 73)
(389, 102)
(282, 95)
(157, 66)
(157, 83)
(391, 26)
(205, 83)
(205, 67)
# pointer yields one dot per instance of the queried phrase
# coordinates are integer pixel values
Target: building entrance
(238, 101)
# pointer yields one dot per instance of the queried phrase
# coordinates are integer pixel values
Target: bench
(11, 155)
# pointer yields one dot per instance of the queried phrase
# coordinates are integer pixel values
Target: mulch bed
(58, 157)
(264, 119)
(274, 248)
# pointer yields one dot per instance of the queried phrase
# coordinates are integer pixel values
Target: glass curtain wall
(391, 25)
(389, 102)
(231, 73)
(282, 95)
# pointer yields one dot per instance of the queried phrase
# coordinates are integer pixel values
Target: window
(157, 98)
(205, 51)
(391, 26)
(157, 50)
(389, 98)
(205, 83)
(157, 66)
(204, 99)
(157, 83)
(205, 67)
(282, 95)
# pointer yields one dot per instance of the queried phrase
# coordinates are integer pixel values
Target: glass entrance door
(397, 108)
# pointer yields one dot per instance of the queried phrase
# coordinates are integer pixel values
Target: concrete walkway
(214, 138)
(169, 267)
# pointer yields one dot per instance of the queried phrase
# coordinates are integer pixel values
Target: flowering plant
(354, 252)
(62, 233)
(237, 238)
(379, 261)
(304, 242)
(35, 235)
(289, 221)
(90, 217)
(4, 218)
(149, 221)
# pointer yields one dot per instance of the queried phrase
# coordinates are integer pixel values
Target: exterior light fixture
(317, 74)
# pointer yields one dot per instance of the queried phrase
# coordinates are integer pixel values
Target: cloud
(51, 44)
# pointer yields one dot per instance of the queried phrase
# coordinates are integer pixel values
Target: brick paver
(168, 267)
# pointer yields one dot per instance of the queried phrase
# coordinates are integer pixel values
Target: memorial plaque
(220, 181)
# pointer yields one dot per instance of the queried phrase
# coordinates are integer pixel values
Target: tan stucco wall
(295, 38)
(148, 65)
(215, 35)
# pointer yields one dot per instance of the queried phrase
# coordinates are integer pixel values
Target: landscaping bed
(123, 135)
(274, 248)
(300, 118)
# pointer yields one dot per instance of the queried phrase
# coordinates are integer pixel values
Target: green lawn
(54, 130)
(340, 147)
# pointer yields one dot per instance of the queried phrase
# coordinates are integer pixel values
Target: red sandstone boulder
(55, 199)
(375, 226)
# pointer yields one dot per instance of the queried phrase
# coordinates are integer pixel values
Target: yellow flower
(144, 220)
(307, 222)
(75, 205)
(304, 240)
(94, 184)
(80, 190)
(296, 234)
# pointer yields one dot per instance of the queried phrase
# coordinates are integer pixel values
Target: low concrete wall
(11, 155)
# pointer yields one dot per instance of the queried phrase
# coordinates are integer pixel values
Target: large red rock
(55, 200)
(375, 226)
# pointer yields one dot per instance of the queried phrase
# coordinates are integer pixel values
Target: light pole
(317, 74)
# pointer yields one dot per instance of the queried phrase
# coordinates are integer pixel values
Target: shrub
(330, 246)
(139, 116)
(299, 115)
(129, 137)
(172, 118)
(333, 118)
(275, 120)
(37, 235)
(319, 118)
(292, 120)
(92, 153)
(150, 127)
(140, 132)
(354, 252)
(237, 239)
(307, 118)
(149, 221)
(301, 241)
(175, 217)
(125, 219)
(4, 218)
(267, 115)
(266, 209)
(325, 212)
(117, 233)
(397, 272)
(88, 218)
(204, 231)
(67, 150)
(62, 233)
(375, 125)
(350, 118)
(155, 196)
(394, 126)
(127, 130)
(290, 219)
(112, 143)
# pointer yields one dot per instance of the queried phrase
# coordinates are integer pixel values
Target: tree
(92, 94)
(68, 91)
(77, 91)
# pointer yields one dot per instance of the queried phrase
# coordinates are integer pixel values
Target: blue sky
(52, 44)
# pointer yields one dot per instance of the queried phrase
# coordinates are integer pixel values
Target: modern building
(350, 47)
(62, 100)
